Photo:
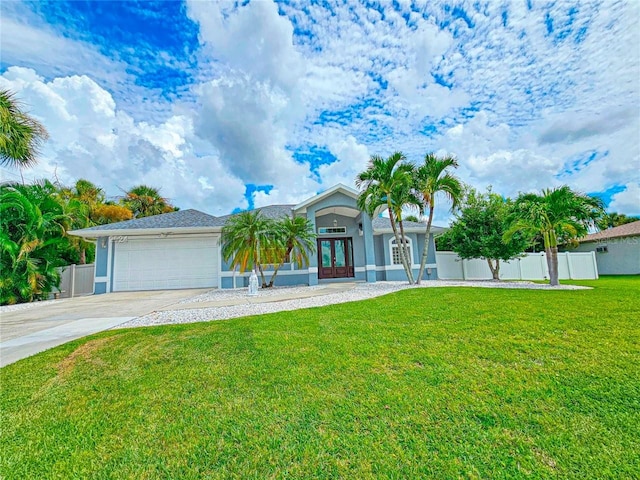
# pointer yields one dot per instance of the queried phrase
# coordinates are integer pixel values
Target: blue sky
(232, 105)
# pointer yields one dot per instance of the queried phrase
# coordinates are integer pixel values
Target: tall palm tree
(248, 240)
(145, 201)
(432, 179)
(295, 239)
(384, 185)
(21, 136)
(559, 215)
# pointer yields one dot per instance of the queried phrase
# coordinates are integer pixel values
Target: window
(331, 230)
(395, 251)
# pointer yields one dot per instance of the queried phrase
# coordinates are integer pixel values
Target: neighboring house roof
(627, 230)
(182, 219)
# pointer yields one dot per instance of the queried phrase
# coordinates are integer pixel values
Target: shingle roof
(179, 219)
(383, 223)
(627, 230)
(273, 212)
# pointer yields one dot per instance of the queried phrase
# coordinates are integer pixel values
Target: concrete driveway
(26, 332)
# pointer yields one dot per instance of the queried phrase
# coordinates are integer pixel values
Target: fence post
(464, 269)
(595, 264)
(73, 281)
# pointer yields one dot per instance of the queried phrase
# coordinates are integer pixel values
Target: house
(617, 249)
(182, 249)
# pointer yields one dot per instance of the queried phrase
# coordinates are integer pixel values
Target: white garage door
(165, 263)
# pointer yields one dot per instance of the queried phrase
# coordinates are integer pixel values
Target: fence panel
(76, 280)
(449, 266)
(583, 265)
(532, 266)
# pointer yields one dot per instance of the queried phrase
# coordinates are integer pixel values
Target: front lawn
(423, 383)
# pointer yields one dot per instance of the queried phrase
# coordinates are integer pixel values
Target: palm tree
(80, 204)
(31, 242)
(613, 219)
(295, 238)
(559, 215)
(432, 179)
(248, 240)
(385, 183)
(21, 136)
(145, 201)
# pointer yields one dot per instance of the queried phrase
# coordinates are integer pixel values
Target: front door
(335, 258)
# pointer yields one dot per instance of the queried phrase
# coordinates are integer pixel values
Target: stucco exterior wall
(622, 256)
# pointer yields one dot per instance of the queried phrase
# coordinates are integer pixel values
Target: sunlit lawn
(424, 383)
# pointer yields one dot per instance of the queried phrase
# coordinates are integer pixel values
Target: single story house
(617, 249)
(182, 249)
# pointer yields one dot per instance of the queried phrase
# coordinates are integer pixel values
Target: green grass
(428, 383)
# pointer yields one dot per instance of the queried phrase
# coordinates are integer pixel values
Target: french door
(335, 258)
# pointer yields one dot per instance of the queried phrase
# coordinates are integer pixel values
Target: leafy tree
(295, 238)
(80, 202)
(32, 242)
(477, 231)
(432, 179)
(108, 213)
(386, 183)
(613, 219)
(412, 218)
(21, 136)
(560, 215)
(248, 240)
(145, 201)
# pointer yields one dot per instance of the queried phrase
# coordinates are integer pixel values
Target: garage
(145, 263)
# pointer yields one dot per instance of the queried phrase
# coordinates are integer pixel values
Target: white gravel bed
(361, 291)
(25, 306)
(233, 293)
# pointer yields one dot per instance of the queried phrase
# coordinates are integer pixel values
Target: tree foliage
(432, 179)
(387, 184)
(146, 201)
(252, 241)
(559, 215)
(613, 219)
(32, 243)
(479, 227)
(21, 136)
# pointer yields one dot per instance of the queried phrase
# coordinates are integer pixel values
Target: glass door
(335, 258)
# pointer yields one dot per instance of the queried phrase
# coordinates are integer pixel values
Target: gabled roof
(336, 188)
(627, 230)
(182, 219)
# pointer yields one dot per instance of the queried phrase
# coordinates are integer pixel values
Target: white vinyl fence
(77, 280)
(533, 266)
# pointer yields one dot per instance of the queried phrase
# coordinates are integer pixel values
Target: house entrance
(335, 258)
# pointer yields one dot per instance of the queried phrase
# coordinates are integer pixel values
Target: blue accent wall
(102, 255)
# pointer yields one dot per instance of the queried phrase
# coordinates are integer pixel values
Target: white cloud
(626, 201)
(91, 138)
(524, 107)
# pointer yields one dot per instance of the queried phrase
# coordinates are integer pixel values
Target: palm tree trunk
(553, 267)
(404, 249)
(407, 270)
(425, 247)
